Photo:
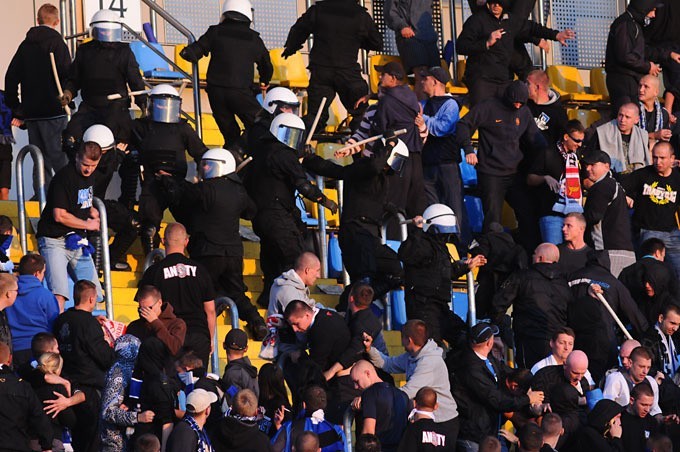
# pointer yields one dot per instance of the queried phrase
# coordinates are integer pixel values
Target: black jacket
(503, 131)
(360, 322)
(239, 374)
(31, 68)
(103, 68)
(493, 64)
(242, 436)
(340, 29)
(5, 330)
(539, 297)
(653, 341)
(234, 48)
(397, 109)
(564, 399)
(22, 415)
(87, 356)
(607, 218)
(328, 338)
(429, 267)
(633, 277)
(483, 401)
(636, 430)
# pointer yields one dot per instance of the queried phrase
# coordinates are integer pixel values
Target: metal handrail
(194, 66)
(106, 258)
(347, 421)
(21, 199)
(383, 239)
(233, 314)
(323, 244)
(151, 257)
(472, 306)
(341, 205)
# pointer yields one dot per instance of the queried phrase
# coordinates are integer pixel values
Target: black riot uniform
(340, 29)
(274, 176)
(428, 272)
(100, 69)
(162, 147)
(233, 49)
(216, 206)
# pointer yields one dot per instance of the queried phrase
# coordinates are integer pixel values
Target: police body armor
(97, 78)
(433, 280)
(163, 148)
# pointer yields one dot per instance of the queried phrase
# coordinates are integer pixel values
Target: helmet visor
(165, 109)
(445, 229)
(396, 162)
(210, 169)
(286, 107)
(107, 34)
(291, 136)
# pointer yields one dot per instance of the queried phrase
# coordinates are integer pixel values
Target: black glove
(330, 205)
(188, 54)
(390, 135)
(287, 52)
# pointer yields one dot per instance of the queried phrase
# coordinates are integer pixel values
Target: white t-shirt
(616, 389)
(551, 361)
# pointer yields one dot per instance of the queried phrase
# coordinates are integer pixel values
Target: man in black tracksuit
(233, 47)
(502, 124)
(628, 57)
(489, 49)
(162, 148)
(340, 29)
(216, 204)
(539, 297)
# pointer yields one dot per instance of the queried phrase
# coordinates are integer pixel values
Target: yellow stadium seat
(290, 72)
(373, 75)
(186, 66)
(598, 82)
(567, 81)
(464, 111)
(460, 72)
(587, 117)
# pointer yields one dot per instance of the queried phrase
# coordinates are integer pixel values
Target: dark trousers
(443, 185)
(442, 323)
(326, 82)
(115, 116)
(85, 434)
(122, 222)
(622, 89)
(46, 134)
(226, 273)
(153, 201)
(480, 89)
(530, 350)
(199, 342)
(226, 104)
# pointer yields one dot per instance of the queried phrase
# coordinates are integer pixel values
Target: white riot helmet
(101, 135)
(398, 156)
(105, 26)
(164, 104)
(289, 129)
(278, 97)
(239, 10)
(217, 163)
(441, 219)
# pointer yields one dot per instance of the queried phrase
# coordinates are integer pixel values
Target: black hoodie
(239, 374)
(243, 436)
(31, 68)
(397, 109)
(595, 435)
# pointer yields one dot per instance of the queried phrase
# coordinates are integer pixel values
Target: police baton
(613, 314)
(67, 109)
(316, 120)
(117, 96)
(243, 163)
(338, 153)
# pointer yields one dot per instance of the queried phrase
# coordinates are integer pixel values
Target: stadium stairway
(125, 283)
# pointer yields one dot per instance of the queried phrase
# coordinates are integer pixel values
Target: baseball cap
(596, 157)
(236, 339)
(482, 332)
(200, 399)
(393, 68)
(438, 72)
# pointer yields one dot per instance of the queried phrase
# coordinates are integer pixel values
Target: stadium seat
(290, 72)
(473, 205)
(186, 66)
(567, 81)
(373, 75)
(398, 305)
(598, 82)
(151, 64)
(468, 173)
(334, 257)
(587, 117)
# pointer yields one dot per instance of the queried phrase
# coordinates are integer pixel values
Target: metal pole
(347, 421)
(233, 313)
(472, 305)
(106, 258)
(74, 26)
(21, 197)
(153, 20)
(62, 18)
(341, 203)
(323, 244)
(387, 314)
(541, 20)
(454, 35)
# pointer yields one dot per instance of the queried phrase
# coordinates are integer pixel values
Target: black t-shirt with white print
(656, 198)
(71, 191)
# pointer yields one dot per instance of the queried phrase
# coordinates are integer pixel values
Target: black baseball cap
(236, 339)
(393, 68)
(597, 156)
(482, 332)
(438, 72)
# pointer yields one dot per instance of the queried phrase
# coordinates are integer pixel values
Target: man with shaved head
(653, 118)
(187, 286)
(539, 296)
(565, 388)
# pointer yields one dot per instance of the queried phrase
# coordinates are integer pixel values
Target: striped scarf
(570, 196)
(203, 440)
(659, 116)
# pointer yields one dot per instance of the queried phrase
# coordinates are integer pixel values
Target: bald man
(187, 286)
(565, 387)
(653, 118)
(539, 296)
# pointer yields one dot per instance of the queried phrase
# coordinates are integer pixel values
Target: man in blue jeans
(65, 221)
(653, 192)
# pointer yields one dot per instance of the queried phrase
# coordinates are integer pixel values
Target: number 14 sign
(129, 11)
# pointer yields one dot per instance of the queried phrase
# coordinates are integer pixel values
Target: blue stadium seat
(334, 257)
(468, 173)
(150, 63)
(459, 301)
(473, 205)
(398, 304)
(304, 215)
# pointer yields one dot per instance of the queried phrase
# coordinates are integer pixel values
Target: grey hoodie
(286, 288)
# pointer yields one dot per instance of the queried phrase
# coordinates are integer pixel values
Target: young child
(240, 429)
(147, 443)
(424, 434)
(239, 372)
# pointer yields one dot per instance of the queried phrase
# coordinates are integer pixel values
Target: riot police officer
(217, 202)
(277, 100)
(162, 139)
(274, 176)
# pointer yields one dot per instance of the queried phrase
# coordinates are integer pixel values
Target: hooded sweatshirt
(241, 435)
(551, 117)
(239, 374)
(426, 368)
(33, 312)
(286, 288)
(397, 109)
(595, 435)
(170, 329)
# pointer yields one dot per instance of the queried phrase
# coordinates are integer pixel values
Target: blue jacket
(34, 311)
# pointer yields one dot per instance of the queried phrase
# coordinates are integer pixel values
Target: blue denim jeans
(671, 240)
(62, 264)
(551, 229)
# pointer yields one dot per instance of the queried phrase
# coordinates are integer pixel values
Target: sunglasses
(575, 140)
